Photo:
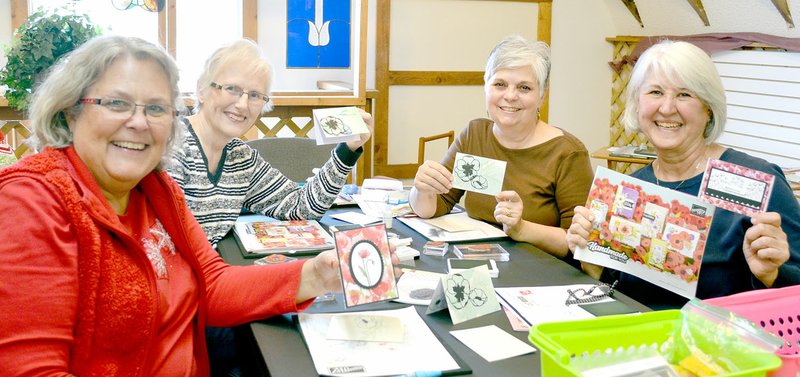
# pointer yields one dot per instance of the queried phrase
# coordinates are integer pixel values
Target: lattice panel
(15, 134)
(619, 80)
(283, 121)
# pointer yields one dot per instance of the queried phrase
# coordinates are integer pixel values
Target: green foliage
(41, 40)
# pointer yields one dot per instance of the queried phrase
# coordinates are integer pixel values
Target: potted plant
(41, 40)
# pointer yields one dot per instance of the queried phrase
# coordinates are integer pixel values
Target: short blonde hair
(242, 51)
(688, 65)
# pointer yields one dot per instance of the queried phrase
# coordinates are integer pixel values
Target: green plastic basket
(558, 341)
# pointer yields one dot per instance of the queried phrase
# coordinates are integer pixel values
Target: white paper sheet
(420, 350)
(545, 304)
(492, 343)
(479, 230)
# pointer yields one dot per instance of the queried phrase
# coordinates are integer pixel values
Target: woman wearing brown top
(548, 171)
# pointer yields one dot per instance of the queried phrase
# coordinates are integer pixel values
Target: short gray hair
(58, 95)
(517, 52)
(242, 51)
(684, 64)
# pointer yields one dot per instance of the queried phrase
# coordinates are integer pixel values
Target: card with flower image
(736, 188)
(651, 232)
(366, 265)
(478, 174)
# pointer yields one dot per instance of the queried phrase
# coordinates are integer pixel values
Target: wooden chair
(450, 135)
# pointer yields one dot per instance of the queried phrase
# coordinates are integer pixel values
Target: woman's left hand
(508, 212)
(363, 138)
(766, 246)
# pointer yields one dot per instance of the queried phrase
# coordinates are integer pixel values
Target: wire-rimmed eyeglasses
(593, 294)
(253, 97)
(154, 113)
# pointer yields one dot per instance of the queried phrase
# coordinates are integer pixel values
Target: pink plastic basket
(777, 310)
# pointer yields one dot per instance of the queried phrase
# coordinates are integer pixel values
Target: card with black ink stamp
(736, 188)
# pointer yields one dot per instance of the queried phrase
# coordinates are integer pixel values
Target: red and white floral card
(736, 188)
(366, 266)
(646, 230)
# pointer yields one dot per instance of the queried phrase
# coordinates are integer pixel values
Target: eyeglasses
(253, 97)
(154, 113)
(588, 296)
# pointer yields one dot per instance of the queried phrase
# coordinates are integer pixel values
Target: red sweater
(78, 295)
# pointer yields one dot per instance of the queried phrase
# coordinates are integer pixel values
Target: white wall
(580, 89)
(5, 29)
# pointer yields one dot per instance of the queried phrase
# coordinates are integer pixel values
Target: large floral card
(366, 265)
(646, 230)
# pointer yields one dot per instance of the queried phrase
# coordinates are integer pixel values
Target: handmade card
(646, 230)
(478, 174)
(366, 265)
(467, 294)
(338, 124)
(736, 188)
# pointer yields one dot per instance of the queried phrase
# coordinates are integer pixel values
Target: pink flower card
(651, 232)
(736, 188)
(366, 265)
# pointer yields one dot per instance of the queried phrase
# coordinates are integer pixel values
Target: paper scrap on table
(417, 287)
(451, 224)
(478, 174)
(492, 343)
(356, 218)
(366, 327)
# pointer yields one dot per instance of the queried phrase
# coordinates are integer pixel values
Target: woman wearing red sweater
(104, 269)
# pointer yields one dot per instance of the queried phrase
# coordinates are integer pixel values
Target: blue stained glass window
(318, 34)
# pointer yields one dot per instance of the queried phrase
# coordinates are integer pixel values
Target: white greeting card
(338, 124)
(478, 174)
(467, 294)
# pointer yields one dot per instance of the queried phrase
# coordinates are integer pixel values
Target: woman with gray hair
(676, 99)
(112, 275)
(221, 175)
(547, 173)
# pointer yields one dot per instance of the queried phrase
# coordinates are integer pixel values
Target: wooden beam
(19, 12)
(435, 78)
(380, 135)
(631, 5)
(543, 34)
(783, 7)
(250, 19)
(697, 5)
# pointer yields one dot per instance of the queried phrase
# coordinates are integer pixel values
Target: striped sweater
(244, 181)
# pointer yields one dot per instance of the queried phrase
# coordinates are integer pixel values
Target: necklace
(655, 172)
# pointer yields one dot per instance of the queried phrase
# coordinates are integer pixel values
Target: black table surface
(279, 343)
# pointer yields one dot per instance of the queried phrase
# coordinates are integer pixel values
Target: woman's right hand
(433, 178)
(578, 234)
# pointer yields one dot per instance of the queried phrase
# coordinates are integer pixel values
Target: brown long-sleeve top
(551, 178)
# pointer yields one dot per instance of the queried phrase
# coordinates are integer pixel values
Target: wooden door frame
(384, 78)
